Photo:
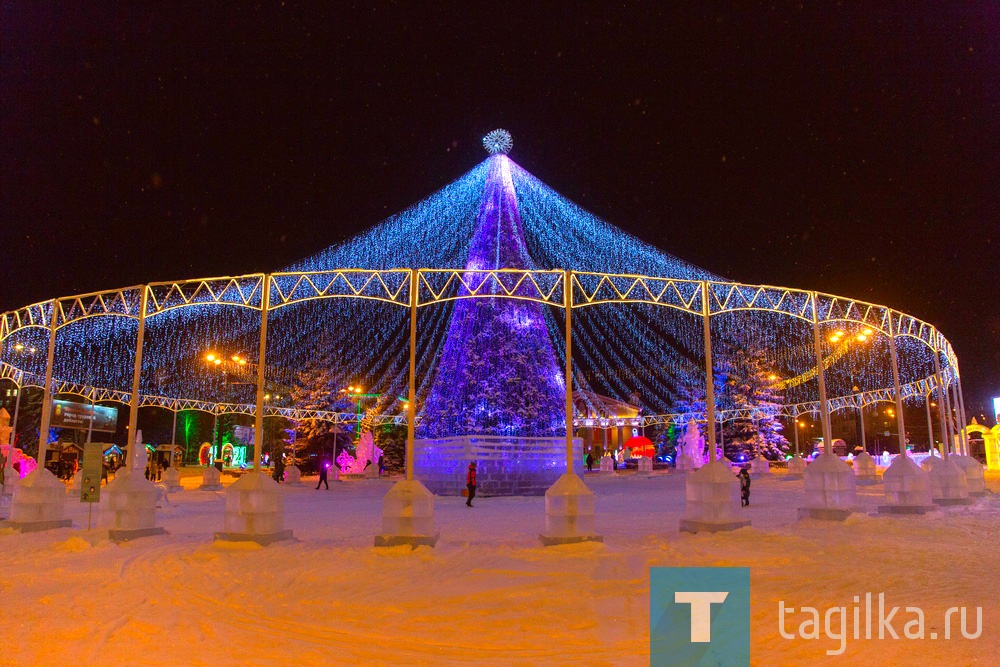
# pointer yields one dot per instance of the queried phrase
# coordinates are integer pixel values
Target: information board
(90, 479)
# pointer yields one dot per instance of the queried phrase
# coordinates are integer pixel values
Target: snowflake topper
(498, 141)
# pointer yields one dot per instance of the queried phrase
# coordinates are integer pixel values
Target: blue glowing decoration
(497, 373)
(498, 141)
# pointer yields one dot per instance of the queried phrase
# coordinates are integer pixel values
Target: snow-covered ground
(489, 593)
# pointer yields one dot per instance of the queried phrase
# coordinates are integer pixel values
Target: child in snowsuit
(744, 488)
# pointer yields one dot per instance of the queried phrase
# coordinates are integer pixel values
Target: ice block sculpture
(974, 474)
(796, 466)
(211, 479)
(255, 511)
(713, 500)
(37, 503)
(569, 512)
(759, 466)
(949, 485)
(831, 490)
(407, 516)
(293, 476)
(864, 469)
(931, 461)
(172, 480)
(907, 488)
(128, 507)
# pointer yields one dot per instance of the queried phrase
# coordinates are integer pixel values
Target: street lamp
(227, 366)
(249, 374)
(798, 425)
(860, 337)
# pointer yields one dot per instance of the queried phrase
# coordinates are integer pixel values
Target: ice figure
(692, 449)
(366, 452)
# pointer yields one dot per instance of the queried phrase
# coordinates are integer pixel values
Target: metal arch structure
(441, 285)
(393, 286)
(239, 291)
(600, 288)
(731, 297)
(727, 297)
(910, 391)
(389, 286)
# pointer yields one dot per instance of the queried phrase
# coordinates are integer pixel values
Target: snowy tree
(391, 438)
(319, 386)
(741, 381)
(749, 386)
(690, 400)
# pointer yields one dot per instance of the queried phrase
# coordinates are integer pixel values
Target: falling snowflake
(498, 141)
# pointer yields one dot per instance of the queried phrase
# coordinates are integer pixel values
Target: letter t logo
(701, 611)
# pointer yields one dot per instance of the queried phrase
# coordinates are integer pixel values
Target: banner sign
(244, 434)
(66, 414)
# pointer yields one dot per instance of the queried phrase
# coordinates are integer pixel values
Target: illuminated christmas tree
(498, 373)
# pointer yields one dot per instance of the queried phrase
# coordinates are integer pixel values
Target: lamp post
(841, 337)
(798, 425)
(249, 374)
(234, 363)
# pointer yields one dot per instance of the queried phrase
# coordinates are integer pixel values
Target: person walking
(322, 476)
(590, 463)
(470, 482)
(744, 488)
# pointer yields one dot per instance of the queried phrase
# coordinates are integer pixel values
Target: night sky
(852, 150)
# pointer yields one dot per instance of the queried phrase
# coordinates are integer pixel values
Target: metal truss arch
(600, 288)
(390, 286)
(440, 285)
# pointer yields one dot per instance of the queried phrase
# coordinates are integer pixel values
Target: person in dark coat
(470, 483)
(279, 469)
(744, 487)
(322, 475)
(590, 463)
